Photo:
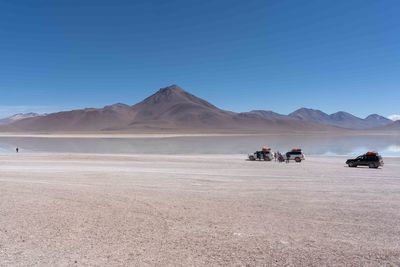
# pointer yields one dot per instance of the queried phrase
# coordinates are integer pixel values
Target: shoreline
(235, 156)
(119, 135)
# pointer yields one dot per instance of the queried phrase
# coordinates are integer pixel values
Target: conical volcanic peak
(168, 94)
(174, 94)
(171, 89)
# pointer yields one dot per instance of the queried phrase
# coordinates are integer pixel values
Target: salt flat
(205, 210)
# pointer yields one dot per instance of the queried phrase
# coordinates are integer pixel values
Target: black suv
(370, 159)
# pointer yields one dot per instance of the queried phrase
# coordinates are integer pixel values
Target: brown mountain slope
(170, 108)
(89, 119)
(393, 127)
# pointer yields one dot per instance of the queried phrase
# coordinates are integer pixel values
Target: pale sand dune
(86, 210)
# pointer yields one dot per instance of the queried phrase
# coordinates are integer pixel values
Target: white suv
(295, 154)
(266, 155)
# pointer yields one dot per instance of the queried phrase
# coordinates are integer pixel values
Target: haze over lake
(387, 145)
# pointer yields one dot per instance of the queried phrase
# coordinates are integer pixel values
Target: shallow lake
(386, 145)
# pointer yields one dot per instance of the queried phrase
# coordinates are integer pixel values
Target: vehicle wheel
(297, 160)
(252, 158)
(372, 166)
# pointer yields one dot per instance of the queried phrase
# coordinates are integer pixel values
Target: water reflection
(311, 144)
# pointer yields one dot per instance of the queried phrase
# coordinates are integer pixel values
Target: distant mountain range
(174, 109)
(340, 119)
(18, 117)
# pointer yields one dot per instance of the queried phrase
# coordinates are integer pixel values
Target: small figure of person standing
(17, 150)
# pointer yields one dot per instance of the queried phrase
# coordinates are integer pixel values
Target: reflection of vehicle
(295, 154)
(264, 154)
(371, 159)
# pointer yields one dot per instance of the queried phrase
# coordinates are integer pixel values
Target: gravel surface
(131, 210)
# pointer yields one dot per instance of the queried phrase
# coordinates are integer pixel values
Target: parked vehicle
(295, 154)
(265, 154)
(371, 159)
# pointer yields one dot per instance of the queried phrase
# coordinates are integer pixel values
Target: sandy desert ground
(135, 210)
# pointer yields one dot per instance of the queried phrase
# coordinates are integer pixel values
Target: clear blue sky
(239, 55)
